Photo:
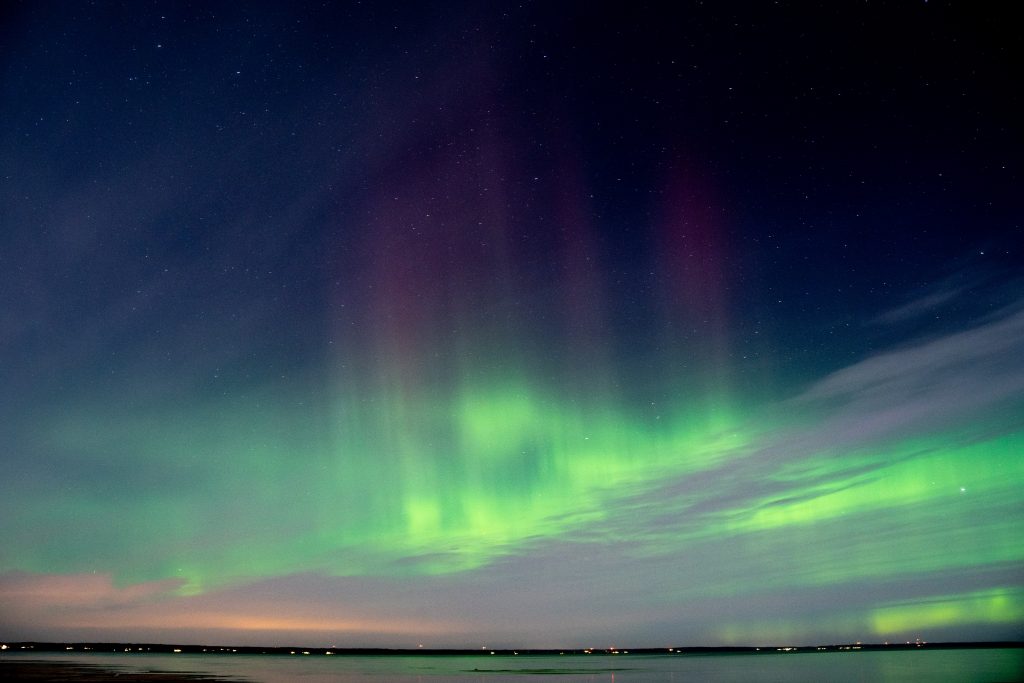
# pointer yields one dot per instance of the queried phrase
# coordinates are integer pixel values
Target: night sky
(480, 324)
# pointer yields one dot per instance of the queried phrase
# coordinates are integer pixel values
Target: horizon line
(135, 647)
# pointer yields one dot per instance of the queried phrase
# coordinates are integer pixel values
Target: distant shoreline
(159, 663)
(28, 647)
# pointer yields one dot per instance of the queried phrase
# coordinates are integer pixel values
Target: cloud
(893, 456)
(82, 606)
(43, 601)
(930, 385)
(78, 590)
(919, 306)
(856, 482)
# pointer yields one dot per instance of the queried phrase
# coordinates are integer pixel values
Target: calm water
(950, 665)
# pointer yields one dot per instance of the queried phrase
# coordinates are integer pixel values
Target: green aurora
(568, 324)
(493, 473)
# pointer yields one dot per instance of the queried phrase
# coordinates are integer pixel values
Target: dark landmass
(162, 648)
(36, 670)
(17, 665)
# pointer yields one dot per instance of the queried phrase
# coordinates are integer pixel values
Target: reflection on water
(978, 666)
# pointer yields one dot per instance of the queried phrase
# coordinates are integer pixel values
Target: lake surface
(977, 666)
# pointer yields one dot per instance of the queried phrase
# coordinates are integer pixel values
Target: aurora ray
(393, 328)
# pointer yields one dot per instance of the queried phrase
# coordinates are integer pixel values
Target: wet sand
(74, 672)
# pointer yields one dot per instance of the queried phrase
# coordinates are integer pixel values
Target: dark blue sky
(452, 302)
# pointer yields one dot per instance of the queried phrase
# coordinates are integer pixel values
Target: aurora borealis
(535, 325)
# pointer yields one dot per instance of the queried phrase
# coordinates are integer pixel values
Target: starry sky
(511, 324)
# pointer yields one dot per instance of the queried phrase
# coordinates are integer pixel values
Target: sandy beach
(38, 670)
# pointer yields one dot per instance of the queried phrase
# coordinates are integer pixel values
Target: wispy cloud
(91, 605)
(928, 385)
(918, 307)
(866, 473)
